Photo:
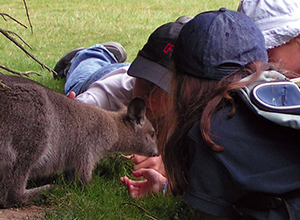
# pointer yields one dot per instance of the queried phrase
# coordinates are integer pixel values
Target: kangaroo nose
(155, 154)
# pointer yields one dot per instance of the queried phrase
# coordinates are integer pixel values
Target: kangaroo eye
(152, 134)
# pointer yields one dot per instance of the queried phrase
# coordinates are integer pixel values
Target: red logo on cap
(168, 48)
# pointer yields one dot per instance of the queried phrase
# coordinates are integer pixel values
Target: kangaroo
(42, 132)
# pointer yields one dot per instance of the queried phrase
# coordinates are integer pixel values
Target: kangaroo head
(146, 138)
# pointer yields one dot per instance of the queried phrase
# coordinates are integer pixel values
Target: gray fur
(44, 133)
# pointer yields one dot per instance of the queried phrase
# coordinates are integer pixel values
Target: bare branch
(19, 73)
(28, 17)
(10, 36)
(15, 20)
(7, 35)
(13, 33)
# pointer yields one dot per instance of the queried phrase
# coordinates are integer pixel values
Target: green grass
(60, 25)
(106, 198)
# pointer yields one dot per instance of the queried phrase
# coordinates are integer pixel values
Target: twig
(7, 35)
(28, 17)
(13, 33)
(148, 214)
(15, 20)
(19, 73)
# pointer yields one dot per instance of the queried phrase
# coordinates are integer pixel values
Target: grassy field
(60, 25)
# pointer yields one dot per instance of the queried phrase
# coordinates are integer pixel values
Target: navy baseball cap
(217, 43)
(152, 62)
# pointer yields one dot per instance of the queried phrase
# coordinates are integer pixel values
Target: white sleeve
(115, 87)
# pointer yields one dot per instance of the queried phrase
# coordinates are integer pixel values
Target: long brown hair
(195, 99)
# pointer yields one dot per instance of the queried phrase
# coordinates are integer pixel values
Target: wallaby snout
(44, 132)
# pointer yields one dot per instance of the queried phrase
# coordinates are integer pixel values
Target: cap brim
(150, 71)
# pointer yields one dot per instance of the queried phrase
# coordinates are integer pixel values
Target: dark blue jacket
(259, 157)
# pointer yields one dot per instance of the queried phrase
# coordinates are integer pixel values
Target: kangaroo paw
(28, 196)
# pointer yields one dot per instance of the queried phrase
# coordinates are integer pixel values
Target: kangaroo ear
(137, 110)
